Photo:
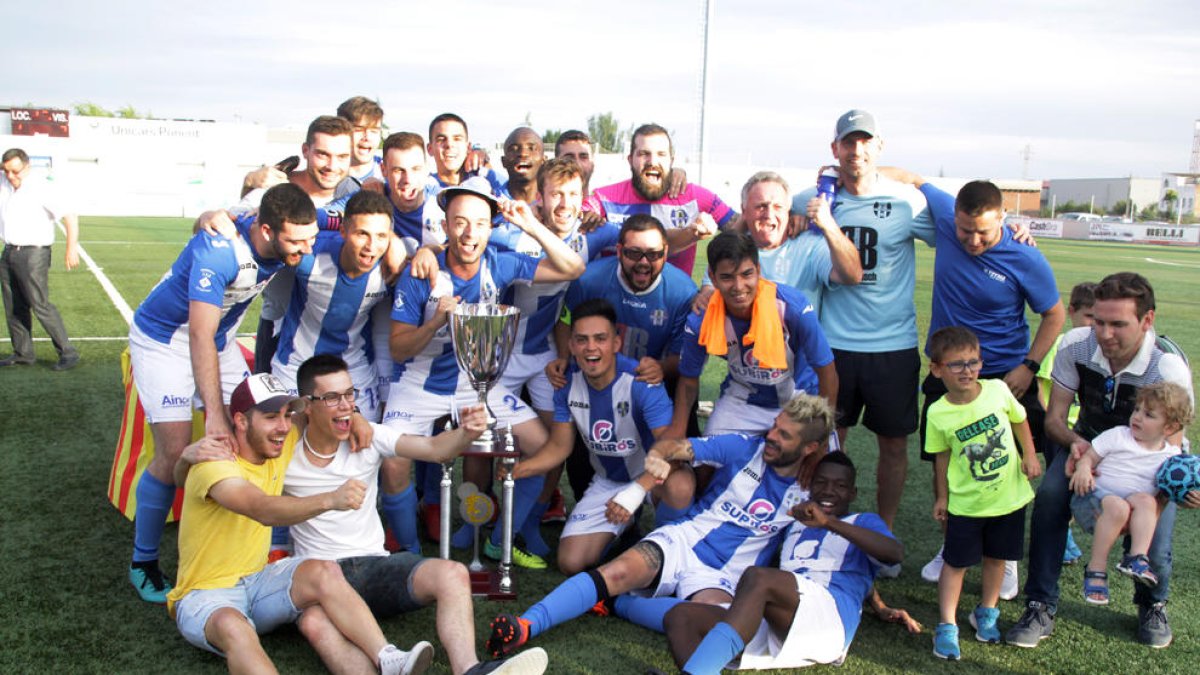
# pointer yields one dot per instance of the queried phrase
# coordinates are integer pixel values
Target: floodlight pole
(709, 8)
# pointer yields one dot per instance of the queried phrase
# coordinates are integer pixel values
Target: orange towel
(766, 329)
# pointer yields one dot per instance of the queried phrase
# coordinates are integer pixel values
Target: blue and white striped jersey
(422, 226)
(617, 422)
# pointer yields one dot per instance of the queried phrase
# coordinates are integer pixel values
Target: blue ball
(1178, 475)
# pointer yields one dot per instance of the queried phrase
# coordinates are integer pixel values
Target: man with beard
(523, 156)
(453, 157)
(689, 217)
(738, 521)
(184, 352)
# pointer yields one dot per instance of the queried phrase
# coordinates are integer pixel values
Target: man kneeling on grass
(227, 593)
(807, 611)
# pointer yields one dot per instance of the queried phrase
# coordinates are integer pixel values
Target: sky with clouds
(1093, 88)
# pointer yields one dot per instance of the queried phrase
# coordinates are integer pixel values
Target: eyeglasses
(332, 398)
(959, 367)
(636, 254)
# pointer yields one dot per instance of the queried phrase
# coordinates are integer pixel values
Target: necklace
(308, 446)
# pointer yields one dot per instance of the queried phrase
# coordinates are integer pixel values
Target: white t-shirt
(334, 535)
(1125, 466)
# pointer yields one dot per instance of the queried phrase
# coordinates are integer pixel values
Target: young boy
(1080, 312)
(1122, 494)
(981, 489)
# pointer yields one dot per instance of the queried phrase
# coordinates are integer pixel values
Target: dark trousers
(24, 279)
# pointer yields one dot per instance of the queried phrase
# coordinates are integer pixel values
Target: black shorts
(933, 388)
(385, 582)
(885, 384)
(969, 539)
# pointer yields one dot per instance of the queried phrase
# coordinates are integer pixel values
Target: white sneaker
(932, 570)
(888, 571)
(1010, 585)
(393, 661)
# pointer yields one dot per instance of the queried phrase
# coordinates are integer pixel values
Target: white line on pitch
(122, 307)
(132, 243)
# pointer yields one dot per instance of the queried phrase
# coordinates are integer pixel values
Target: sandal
(1095, 587)
(1137, 567)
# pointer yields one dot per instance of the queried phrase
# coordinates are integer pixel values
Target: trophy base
(486, 584)
(496, 447)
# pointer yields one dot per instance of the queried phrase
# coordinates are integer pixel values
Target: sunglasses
(636, 254)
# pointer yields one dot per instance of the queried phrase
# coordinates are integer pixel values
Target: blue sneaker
(1071, 554)
(150, 583)
(945, 642)
(983, 620)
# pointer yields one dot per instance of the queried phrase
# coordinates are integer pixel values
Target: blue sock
(665, 515)
(717, 649)
(429, 475)
(401, 512)
(525, 494)
(531, 531)
(281, 537)
(645, 612)
(463, 537)
(154, 500)
(570, 599)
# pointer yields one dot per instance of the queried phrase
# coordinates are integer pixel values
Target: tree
(551, 136)
(89, 109)
(606, 132)
(129, 113)
(1119, 208)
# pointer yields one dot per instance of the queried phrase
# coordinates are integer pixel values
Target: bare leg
(320, 582)
(687, 623)
(949, 588)
(170, 438)
(993, 575)
(228, 630)
(1142, 522)
(890, 475)
(581, 552)
(679, 489)
(633, 569)
(395, 474)
(447, 584)
(763, 593)
(338, 654)
(1114, 515)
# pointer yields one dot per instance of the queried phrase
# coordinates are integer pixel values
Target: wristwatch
(1032, 365)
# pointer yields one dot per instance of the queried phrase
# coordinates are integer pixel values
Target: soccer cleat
(150, 583)
(1035, 625)
(508, 633)
(520, 557)
(1137, 567)
(1010, 584)
(390, 543)
(983, 620)
(1153, 628)
(557, 511)
(394, 661)
(277, 554)
(945, 642)
(933, 569)
(529, 662)
(602, 608)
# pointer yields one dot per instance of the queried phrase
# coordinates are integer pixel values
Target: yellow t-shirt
(984, 473)
(217, 547)
(1044, 382)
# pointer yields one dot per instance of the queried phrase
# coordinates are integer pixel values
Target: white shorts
(529, 370)
(362, 374)
(683, 573)
(731, 416)
(411, 410)
(381, 331)
(163, 375)
(816, 635)
(588, 515)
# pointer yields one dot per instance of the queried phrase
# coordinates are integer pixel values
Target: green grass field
(67, 606)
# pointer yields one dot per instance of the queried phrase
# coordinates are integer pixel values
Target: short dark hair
(448, 117)
(640, 222)
(366, 203)
(977, 198)
(650, 129)
(570, 135)
(730, 245)
(403, 140)
(560, 169)
(358, 108)
(286, 202)
(841, 459)
(15, 153)
(1083, 295)
(595, 307)
(948, 339)
(328, 125)
(1127, 286)
(316, 366)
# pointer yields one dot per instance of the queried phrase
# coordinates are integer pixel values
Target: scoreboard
(40, 122)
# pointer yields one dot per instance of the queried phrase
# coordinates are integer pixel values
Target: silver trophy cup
(484, 335)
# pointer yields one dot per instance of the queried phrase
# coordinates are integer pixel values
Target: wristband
(630, 497)
(1032, 365)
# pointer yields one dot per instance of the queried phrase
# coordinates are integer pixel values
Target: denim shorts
(264, 598)
(1086, 509)
(385, 582)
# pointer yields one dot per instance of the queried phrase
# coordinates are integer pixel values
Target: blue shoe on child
(945, 642)
(1071, 554)
(984, 619)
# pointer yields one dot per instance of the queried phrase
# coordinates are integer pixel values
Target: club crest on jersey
(205, 280)
(679, 218)
(658, 317)
(623, 408)
(882, 209)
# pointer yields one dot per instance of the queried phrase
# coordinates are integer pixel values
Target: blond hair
(1170, 398)
(813, 413)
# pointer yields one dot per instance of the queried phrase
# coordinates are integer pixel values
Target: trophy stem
(444, 525)
(507, 538)
(487, 439)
